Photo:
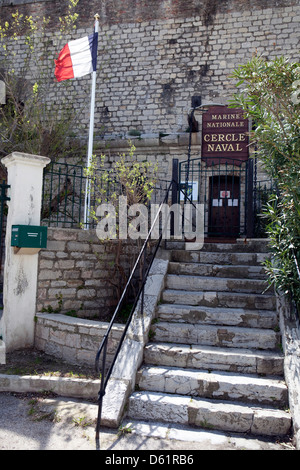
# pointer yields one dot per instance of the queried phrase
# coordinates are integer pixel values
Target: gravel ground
(34, 362)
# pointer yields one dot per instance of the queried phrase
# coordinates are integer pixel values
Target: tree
(270, 96)
(32, 120)
(128, 182)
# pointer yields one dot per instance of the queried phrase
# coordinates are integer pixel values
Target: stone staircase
(214, 360)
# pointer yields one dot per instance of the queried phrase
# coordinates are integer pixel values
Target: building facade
(154, 56)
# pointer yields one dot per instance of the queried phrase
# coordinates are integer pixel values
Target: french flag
(77, 58)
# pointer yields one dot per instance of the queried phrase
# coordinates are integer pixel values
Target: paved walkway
(67, 424)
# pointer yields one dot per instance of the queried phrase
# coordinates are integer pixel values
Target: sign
(192, 190)
(224, 194)
(224, 134)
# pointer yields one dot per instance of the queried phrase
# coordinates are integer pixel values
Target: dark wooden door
(224, 202)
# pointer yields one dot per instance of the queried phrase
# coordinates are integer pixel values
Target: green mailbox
(29, 237)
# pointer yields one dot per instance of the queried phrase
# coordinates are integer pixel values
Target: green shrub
(269, 94)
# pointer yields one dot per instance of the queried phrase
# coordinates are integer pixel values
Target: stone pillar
(25, 177)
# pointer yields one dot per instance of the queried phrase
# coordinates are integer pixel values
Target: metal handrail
(103, 346)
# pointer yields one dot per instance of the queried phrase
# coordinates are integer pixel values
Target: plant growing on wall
(133, 181)
(32, 120)
(270, 96)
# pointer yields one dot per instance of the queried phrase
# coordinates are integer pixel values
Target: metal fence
(63, 196)
(262, 192)
(64, 186)
(221, 186)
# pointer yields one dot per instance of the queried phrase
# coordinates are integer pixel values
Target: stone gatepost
(25, 177)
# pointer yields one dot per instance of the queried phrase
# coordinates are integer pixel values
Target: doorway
(224, 206)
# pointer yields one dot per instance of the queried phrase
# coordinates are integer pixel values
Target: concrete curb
(85, 389)
(63, 386)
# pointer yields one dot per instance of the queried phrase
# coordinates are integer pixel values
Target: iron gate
(222, 186)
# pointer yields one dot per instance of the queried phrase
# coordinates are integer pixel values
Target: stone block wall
(160, 152)
(155, 55)
(73, 340)
(290, 331)
(76, 273)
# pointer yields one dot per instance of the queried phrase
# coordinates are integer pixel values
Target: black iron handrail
(103, 346)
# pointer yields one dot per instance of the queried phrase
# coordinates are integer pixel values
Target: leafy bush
(32, 120)
(269, 95)
(134, 181)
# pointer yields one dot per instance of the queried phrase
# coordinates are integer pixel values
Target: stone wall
(73, 340)
(77, 341)
(160, 152)
(76, 273)
(156, 66)
(155, 55)
(290, 330)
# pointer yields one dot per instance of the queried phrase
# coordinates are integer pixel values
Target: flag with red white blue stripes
(77, 58)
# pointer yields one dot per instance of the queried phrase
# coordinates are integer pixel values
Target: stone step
(248, 361)
(219, 299)
(217, 270)
(254, 259)
(177, 436)
(240, 246)
(217, 316)
(209, 414)
(196, 283)
(214, 385)
(212, 335)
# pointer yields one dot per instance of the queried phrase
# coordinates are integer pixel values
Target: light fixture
(206, 106)
(196, 106)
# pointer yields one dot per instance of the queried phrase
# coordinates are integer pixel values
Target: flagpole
(87, 202)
